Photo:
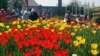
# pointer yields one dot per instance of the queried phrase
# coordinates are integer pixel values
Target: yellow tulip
(75, 30)
(30, 20)
(34, 25)
(69, 26)
(94, 46)
(43, 21)
(24, 24)
(22, 21)
(1, 24)
(94, 31)
(72, 34)
(79, 38)
(94, 52)
(76, 43)
(78, 26)
(80, 29)
(19, 19)
(17, 22)
(19, 26)
(9, 30)
(87, 26)
(83, 25)
(61, 28)
(51, 23)
(7, 26)
(62, 21)
(29, 26)
(82, 41)
(46, 27)
(14, 22)
(75, 27)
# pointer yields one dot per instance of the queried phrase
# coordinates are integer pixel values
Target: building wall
(52, 10)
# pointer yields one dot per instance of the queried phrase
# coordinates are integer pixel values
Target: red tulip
(56, 46)
(37, 51)
(26, 43)
(20, 45)
(28, 53)
(4, 42)
(61, 53)
(68, 40)
(10, 54)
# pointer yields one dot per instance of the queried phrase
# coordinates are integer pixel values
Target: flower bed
(48, 38)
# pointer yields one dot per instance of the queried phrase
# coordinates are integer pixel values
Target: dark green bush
(97, 20)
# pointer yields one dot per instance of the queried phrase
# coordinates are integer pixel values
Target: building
(55, 10)
(51, 10)
(31, 3)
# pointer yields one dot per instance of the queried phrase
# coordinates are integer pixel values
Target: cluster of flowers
(94, 50)
(34, 40)
(48, 38)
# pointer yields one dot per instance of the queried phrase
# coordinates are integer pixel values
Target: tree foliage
(3, 3)
(74, 7)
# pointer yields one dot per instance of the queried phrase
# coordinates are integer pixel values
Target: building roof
(32, 3)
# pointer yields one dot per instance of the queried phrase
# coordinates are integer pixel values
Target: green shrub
(97, 20)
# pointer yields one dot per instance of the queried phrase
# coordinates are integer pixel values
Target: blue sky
(65, 2)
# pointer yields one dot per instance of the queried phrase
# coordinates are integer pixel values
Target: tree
(75, 8)
(16, 5)
(3, 3)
